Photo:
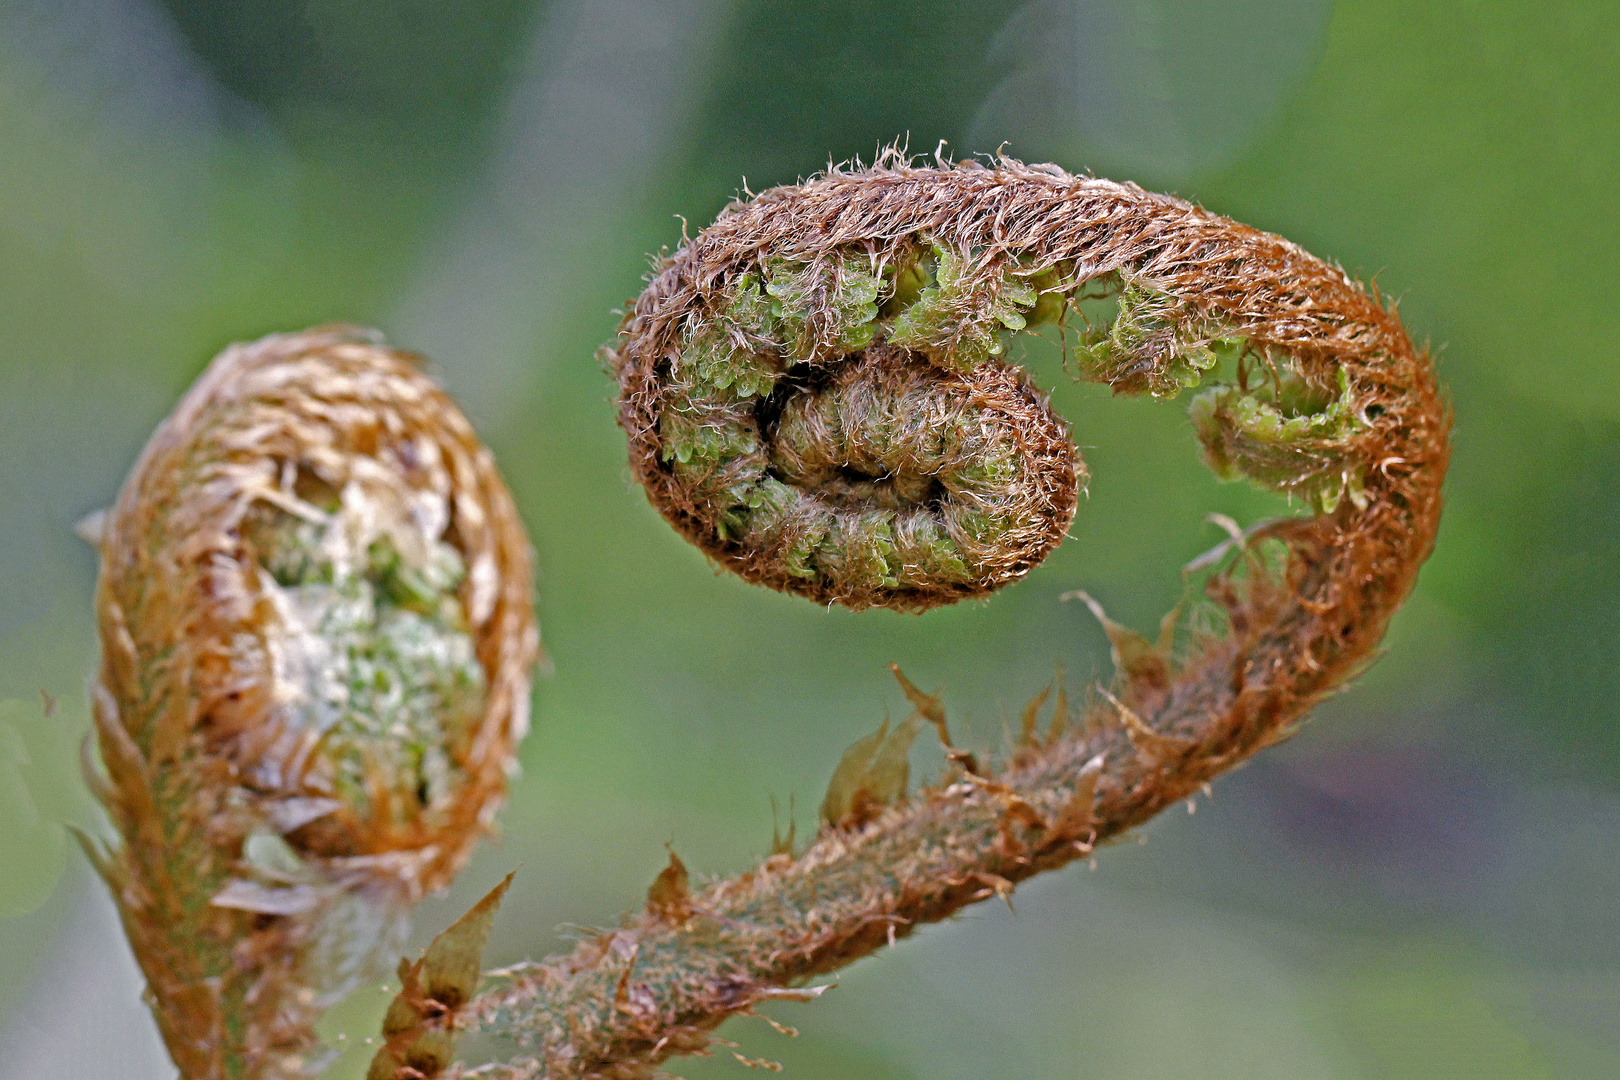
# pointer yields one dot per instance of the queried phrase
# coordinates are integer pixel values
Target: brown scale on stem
(1309, 386)
(317, 637)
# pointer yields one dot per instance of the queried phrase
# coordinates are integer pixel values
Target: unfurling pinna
(317, 636)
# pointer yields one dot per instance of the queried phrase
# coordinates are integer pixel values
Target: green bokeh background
(1425, 883)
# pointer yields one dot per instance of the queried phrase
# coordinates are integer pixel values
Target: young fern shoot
(317, 633)
(815, 395)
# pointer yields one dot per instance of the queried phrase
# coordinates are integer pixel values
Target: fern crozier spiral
(317, 637)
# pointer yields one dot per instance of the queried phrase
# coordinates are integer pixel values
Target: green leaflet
(1283, 437)
(956, 317)
(841, 298)
(1145, 349)
(712, 364)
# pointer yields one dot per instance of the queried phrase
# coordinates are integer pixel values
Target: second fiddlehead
(317, 636)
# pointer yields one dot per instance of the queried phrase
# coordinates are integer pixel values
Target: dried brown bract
(419, 1029)
(317, 637)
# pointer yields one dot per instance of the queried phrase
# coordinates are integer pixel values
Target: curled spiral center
(849, 487)
(874, 478)
(890, 432)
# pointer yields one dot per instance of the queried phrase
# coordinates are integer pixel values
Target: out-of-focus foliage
(1423, 881)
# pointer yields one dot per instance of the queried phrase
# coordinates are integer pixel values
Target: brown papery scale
(798, 384)
(317, 638)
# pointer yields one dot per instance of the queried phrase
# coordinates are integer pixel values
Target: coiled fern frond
(815, 394)
(815, 390)
(317, 634)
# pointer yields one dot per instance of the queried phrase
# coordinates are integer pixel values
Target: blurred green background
(1424, 884)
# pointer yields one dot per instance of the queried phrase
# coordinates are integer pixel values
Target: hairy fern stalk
(815, 395)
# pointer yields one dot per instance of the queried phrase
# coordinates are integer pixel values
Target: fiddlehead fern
(1313, 390)
(815, 397)
(316, 634)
